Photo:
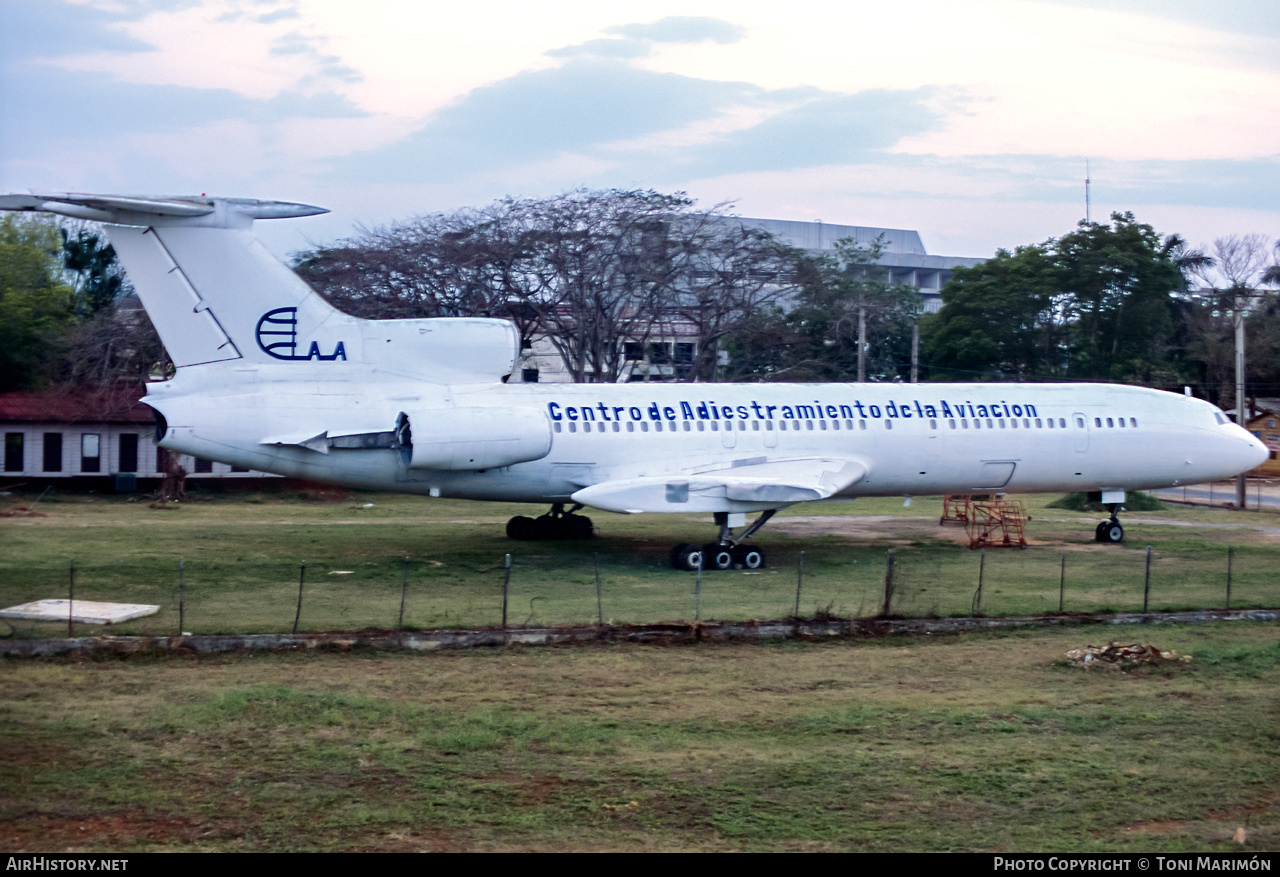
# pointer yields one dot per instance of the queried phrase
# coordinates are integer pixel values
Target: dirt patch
(531, 789)
(53, 833)
(1158, 828)
(882, 529)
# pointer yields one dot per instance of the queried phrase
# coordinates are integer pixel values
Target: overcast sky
(969, 121)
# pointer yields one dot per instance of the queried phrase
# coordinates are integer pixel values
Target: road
(1260, 494)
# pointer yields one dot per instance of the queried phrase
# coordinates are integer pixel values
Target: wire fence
(529, 590)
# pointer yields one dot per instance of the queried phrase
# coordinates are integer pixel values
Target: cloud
(537, 115)
(638, 40)
(622, 122)
(605, 49)
(682, 29)
(824, 129)
(51, 29)
(55, 106)
(1252, 17)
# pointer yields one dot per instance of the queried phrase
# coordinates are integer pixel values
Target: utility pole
(915, 351)
(862, 343)
(1241, 417)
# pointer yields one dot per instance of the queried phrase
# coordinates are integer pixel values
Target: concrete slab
(85, 611)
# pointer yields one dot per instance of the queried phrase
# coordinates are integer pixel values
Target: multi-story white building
(669, 354)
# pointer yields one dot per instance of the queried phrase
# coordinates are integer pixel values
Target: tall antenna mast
(1087, 216)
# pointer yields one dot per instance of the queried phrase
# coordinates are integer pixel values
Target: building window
(203, 465)
(13, 442)
(128, 452)
(53, 452)
(90, 453)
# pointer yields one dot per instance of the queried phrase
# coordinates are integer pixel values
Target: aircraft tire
(718, 557)
(1100, 531)
(521, 528)
(748, 557)
(1114, 533)
(547, 527)
(677, 555)
(694, 558)
(578, 527)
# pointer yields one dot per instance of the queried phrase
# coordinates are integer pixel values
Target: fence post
(404, 591)
(302, 575)
(182, 602)
(1146, 582)
(888, 584)
(599, 605)
(1062, 581)
(799, 582)
(1230, 551)
(977, 595)
(506, 584)
(71, 599)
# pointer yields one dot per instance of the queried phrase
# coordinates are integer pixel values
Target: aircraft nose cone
(1245, 451)
(1257, 453)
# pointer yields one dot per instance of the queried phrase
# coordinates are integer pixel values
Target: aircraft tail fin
(216, 294)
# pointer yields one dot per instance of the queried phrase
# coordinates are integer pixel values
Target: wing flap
(737, 489)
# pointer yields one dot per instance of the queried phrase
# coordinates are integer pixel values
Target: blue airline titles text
(816, 411)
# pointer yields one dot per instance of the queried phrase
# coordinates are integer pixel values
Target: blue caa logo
(278, 337)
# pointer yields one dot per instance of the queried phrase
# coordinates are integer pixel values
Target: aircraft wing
(748, 488)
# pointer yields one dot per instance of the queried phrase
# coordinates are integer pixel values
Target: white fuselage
(912, 439)
(271, 377)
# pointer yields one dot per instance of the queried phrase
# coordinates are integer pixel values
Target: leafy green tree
(1099, 303)
(98, 278)
(845, 303)
(1000, 319)
(1119, 283)
(35, 303)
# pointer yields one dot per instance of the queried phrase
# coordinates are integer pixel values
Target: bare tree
(1234, 272)
(587, 270)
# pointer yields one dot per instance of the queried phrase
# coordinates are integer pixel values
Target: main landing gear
(1110, 530)
(556, 524)
(726, 552)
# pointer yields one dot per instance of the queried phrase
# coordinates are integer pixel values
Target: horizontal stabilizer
(145, 210)
(738, 489)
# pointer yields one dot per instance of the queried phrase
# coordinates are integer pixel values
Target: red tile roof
(76, 405)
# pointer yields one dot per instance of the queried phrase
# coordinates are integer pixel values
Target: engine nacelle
(440, 349)
(472, 438)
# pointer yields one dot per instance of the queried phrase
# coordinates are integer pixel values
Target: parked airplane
(271, 377)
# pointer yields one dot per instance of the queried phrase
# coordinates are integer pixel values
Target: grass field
(981, 742)
(241, 560)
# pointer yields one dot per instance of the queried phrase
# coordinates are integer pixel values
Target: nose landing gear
(726, 552)
(1110, 530)
(556, 524)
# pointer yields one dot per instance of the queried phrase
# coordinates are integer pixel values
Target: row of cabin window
(991, 423)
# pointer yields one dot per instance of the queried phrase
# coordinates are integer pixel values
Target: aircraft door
(770, 436)
(1080, 427)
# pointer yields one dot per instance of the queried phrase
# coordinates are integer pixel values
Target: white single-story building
(91, 438)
